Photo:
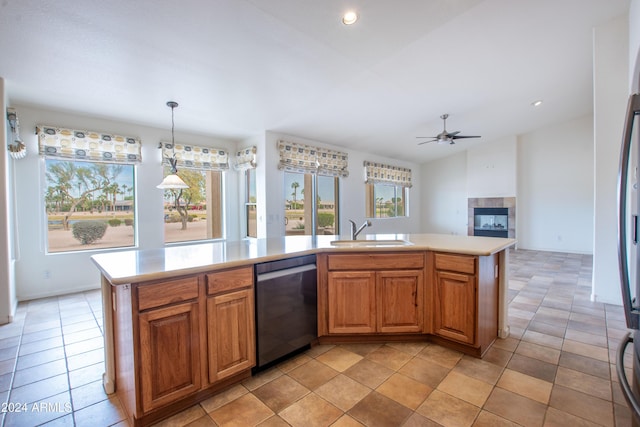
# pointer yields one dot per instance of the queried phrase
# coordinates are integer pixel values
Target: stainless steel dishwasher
(286, 308)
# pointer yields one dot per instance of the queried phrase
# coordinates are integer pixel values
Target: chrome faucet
(354, 232)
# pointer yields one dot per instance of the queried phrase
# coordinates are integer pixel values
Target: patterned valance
(245, 159)
(308, 159)
(88, 145)
(194, 157)
(377, 173)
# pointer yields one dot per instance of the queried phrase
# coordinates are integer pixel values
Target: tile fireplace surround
(493, 202)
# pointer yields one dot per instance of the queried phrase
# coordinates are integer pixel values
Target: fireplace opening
(491, 222)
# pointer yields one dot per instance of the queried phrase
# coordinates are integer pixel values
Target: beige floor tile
(411, 348)
(595, 352)
(533, 367)
(582, 405)
(508, 344)
(479, 369)
(586, 338)
(245, 411)
(516, 408)
(215, 402)
(487, 419)
(498, 356)
(361, 348)
(390, 357)
(540, 352)
(405, 390)
(312, 410)
(313, 374)
(347, 421)
(378, 410)
(185, 417)
(274, 421)
(280, 393)
(466, 388)
(585, 383)
(425, 371)
(339, 359)
(343, 392)
(558, 418)
(440, 355)
(525, 385)
(262, 378)
(294, 362)
(543, 339)
(448, 410)
(369, 373)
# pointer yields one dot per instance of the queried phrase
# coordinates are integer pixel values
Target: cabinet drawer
(376, 261)
(459, 263)
(168, 292)
(227, 280)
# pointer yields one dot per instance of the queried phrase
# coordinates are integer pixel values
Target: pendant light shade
(172, 181)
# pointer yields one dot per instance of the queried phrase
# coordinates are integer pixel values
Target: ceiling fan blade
(426, 137)
(453, 133)
(426, 142)
(464, 136)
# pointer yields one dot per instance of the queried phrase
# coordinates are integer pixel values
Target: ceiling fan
(445, 137)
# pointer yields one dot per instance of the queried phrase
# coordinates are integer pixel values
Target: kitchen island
(195, 303)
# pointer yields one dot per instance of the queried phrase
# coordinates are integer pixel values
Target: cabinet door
(399, 301)
(231, 331)
(455, 306)
(352, 302)
(169, 354)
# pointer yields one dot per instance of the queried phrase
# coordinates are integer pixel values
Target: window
(250, 203)
(387, 190)
(89, 195)
(386, 201)
(301, 213)
(194, 213)
(311, 180)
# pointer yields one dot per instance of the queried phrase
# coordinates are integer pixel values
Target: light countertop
(129, 266)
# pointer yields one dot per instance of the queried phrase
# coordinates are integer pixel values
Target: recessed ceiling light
(536, 103)
(349, 18)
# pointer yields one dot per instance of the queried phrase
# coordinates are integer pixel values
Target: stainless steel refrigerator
(628, 253)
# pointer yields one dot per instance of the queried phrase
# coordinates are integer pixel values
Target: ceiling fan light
(349, 18)
(536, 103)
(172, 181)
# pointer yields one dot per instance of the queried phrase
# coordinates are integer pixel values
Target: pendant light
(172, 181)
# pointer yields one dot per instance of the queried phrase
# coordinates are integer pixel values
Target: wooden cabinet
(178, 341)
(370, 293)
(169, 356)
(399, 301)
(455, 307)
(352, 302)
(230, 320)
(466, 299)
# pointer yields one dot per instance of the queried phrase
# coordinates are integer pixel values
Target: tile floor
(556, 369)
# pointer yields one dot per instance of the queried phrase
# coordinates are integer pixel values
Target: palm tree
(295, 186)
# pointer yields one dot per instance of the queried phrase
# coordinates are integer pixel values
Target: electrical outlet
(46, 274)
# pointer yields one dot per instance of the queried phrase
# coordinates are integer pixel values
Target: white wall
(611, 65)
(444, 195)
(549, 171)
(491, 169)
(352, 191)
(72, 272)
(555, 188)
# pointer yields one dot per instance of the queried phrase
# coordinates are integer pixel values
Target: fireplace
(491, 222)
(492, 216)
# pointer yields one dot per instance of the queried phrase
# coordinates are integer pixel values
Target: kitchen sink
(369, 243)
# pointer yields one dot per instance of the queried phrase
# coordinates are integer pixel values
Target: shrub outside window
(89, 205)
(386, 201)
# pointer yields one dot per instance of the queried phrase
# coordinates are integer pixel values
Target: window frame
(371, 202)
(249, 178)
(45, 206)
(311, 181)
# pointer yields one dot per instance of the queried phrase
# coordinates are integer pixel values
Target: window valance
(245, 159)
(377, 173)
(195, 157)
(55, 142)
(308, 159)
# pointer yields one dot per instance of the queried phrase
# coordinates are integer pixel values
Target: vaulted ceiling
(240, 67)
